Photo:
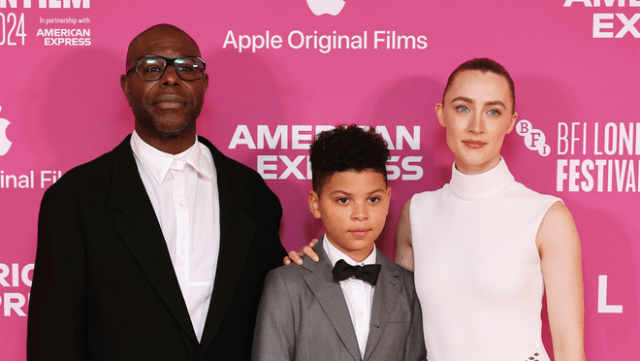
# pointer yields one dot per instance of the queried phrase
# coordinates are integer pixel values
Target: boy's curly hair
(347, 148)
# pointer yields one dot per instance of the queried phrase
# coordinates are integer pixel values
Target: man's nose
(170, 76)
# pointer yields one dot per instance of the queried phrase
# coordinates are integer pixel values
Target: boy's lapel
(384, 299)
(329, 295)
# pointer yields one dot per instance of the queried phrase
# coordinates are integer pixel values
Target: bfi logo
(534, 139)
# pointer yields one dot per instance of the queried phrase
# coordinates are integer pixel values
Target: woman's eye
(462, 108)
(494, 112)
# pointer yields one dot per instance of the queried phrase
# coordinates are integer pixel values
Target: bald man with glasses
(158, 249)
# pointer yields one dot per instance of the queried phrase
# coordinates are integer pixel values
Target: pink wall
(572, 62)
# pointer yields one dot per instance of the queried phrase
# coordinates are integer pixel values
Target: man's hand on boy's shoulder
(306, 250)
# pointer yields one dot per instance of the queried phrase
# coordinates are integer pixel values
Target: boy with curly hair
(354, 304)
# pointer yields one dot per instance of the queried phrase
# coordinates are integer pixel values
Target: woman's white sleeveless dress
(477, 267)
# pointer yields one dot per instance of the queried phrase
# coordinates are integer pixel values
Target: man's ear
(314, 204)
(205, 79)
(125, 84)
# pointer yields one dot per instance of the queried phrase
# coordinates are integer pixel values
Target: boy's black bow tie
(367, 273)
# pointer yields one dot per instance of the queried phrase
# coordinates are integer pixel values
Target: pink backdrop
(575, 65)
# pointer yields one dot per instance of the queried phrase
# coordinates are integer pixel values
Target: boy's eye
(374, 199)
(342, 200)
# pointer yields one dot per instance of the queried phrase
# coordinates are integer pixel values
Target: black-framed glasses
(152, 67)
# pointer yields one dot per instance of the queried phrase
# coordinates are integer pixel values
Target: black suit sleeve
(271, 250)
(58, 293)
(240, 187)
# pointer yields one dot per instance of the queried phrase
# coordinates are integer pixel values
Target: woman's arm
(404, 244)
(559, 248)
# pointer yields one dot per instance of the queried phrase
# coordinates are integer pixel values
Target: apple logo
(5, 143)
(331, 7)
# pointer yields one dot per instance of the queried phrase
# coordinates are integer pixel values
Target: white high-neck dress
(477, 267)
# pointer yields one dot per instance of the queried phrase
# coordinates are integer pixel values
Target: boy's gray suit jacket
(303, 316)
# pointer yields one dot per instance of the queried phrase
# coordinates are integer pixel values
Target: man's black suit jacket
(104, 286)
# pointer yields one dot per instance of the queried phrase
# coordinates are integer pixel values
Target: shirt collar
(158, 163)
(335, 254)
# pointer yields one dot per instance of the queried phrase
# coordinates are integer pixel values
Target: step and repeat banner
(283, 70)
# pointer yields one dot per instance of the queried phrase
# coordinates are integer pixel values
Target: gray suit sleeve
(274, 338)
(414, 348)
